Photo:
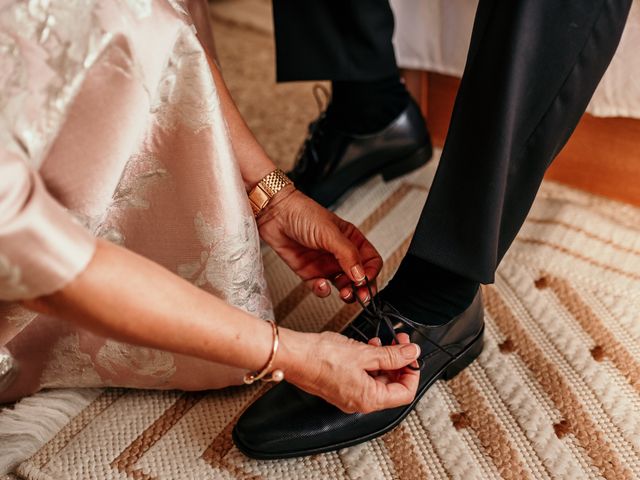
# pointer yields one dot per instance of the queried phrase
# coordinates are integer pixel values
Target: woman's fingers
(347, 296)
(341, 281)
(360, 378)
(344, 286)
(376, 342)
(346, 289)
(351, 254)
(370, 257)
(320, 287)
(365, 293)
(357, 257)
(399, 392)
(404, 338)
(371, 260)
(396, 387)
(345, 252)
(383, 392)
(392, 357)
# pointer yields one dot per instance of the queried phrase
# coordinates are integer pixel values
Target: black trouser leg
(345, 40)
(532, 67)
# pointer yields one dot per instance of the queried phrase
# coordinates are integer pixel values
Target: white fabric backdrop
(434, 35)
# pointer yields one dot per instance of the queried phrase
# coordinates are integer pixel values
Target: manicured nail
(347, 295)
(410, 351)
(358, 274)
(322, 284)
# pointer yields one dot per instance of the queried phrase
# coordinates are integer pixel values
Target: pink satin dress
(111, 127)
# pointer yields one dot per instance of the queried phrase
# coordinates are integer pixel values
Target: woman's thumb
(394, 357)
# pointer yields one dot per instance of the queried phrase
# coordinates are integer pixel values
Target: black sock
(366, 107)
(428, 293)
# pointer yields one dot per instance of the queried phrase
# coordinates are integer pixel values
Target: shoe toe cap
(288, 422)
(285, 422)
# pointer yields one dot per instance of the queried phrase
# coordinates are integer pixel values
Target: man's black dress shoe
(288, 422)
(331, 161)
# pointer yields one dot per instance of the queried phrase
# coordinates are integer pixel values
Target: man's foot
(334, 159)
(424, 291)
(287, 422)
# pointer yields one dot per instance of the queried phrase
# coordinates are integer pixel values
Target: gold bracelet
(277, 375)
(264, 191)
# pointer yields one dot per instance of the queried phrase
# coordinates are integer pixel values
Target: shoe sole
(447, 372)
(329, 192)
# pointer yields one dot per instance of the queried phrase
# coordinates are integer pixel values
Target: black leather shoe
(288, 422)
(331, 161)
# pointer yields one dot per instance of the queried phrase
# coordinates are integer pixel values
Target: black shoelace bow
(378, 313)
(308, 151)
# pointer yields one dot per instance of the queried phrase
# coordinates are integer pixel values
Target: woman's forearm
(127, 297)
(199, 11)
(124, 296)
(253, 160)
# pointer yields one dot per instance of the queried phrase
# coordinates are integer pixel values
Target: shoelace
(308, 148)
(378, 313)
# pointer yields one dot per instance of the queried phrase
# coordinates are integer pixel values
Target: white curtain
(434, 35)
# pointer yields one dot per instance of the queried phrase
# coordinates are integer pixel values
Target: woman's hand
(318, 245)
(353, 376)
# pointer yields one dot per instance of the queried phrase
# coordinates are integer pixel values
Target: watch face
(259, 198)
(266, 189)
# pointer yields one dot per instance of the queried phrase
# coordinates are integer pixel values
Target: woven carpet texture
(555, 394)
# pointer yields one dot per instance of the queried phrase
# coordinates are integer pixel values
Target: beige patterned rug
(555, 394)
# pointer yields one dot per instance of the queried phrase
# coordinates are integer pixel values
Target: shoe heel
(407, 164)
(466, 359)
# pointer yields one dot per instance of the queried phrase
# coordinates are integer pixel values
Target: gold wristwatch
(266, 188)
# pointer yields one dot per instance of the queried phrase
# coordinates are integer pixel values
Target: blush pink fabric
(111, 127)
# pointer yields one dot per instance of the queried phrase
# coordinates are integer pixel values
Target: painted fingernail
(322, 284)
(410, 351)
(347, 295)
(358, 274)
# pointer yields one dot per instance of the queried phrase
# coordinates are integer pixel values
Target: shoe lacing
(308, 148)
(378, 312)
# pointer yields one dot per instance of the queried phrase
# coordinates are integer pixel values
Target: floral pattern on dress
(11, 277)
(230, 264)
(186, 95)
(69, 37)
(180, 178)
(120, 358)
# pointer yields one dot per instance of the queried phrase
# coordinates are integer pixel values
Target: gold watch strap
(266, 188)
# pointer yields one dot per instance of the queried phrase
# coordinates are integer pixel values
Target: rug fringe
(34, 420)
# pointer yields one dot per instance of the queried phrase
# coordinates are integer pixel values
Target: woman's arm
(127, 297)
(316, 244)
(124, 296)
(199, 11)
(254, 162)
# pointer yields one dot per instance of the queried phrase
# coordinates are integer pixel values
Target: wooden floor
(602, 156)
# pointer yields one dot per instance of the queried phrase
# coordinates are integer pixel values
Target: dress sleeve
(42, 246)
